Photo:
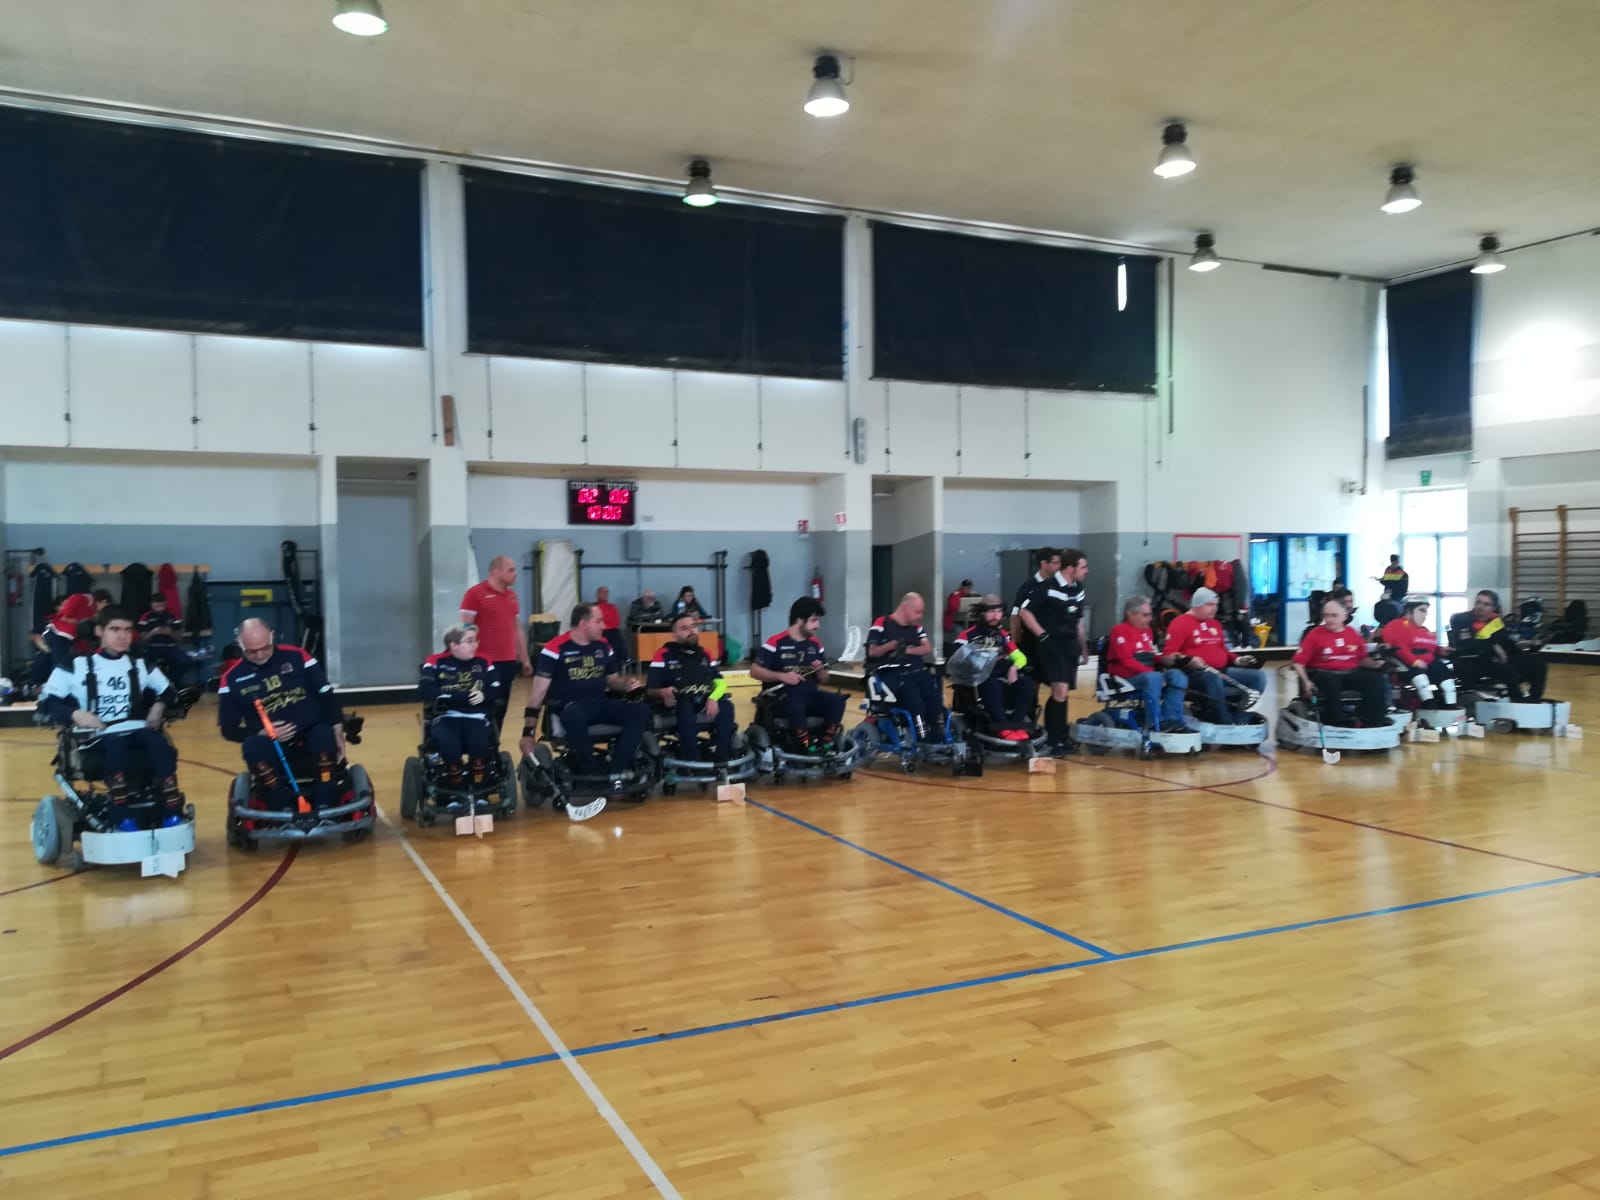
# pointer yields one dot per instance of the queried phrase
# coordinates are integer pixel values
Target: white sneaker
(582, 812)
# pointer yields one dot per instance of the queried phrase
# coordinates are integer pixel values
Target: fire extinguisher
(14, 587)
(816, 587)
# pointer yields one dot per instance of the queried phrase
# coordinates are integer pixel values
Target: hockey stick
(302, 805)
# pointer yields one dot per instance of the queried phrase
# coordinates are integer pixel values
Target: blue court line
(769, 1019)
(1098, 951)
(244, 1110)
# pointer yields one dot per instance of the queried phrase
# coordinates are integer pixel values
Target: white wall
(1026, 508)
(170, 490)
(499, 501)
(1536, 378)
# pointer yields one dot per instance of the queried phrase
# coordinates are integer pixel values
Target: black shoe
(1062, 748)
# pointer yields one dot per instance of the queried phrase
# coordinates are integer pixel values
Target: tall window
(1433, 549)
(954, 308)
(103, 223)
(596, 274)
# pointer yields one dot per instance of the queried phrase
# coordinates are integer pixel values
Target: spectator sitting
(646, 610)
(687, 604)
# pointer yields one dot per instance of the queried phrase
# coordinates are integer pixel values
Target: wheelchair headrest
(877, 689)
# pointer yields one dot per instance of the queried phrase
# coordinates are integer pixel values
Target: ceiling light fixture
(1122, 285)
(1488, 262)
(363, 18)
(826, 98)
(1402, 197)
(1204, 257)
(699, 193)
(1175, 158)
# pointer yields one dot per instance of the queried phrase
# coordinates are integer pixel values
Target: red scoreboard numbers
(600, 502)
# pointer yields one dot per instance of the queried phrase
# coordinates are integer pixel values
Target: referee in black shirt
(1048, 614)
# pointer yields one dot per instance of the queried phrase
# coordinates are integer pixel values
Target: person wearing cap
(684, 680)
(1003, 695)
(1198, 647)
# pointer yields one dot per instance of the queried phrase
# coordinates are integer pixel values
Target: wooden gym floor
(1228, 977)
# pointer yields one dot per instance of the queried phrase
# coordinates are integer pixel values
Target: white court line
(596, 1097)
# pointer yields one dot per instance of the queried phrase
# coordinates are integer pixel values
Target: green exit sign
(1427, 477)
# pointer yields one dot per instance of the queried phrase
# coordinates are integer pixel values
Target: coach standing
(492, 607)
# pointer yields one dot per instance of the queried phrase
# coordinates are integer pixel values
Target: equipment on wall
(1173, 583)
(602, 501)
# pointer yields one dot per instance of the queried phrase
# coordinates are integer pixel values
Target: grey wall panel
(380, 587)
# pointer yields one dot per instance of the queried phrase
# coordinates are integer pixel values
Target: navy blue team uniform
(692, 673)
(293, 688)
(915, 687)
(1006, 703)
(158, 642)
(578, 695)
(457, 725)
(798, 701)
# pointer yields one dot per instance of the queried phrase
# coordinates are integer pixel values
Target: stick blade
(1331, 757)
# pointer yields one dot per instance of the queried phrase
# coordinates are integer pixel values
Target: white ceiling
(1038, 113)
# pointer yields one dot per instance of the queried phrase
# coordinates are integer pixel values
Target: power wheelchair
(82, 813)
(255, 816)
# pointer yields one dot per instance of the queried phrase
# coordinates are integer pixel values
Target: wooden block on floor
(731, 792)
(1041, 766)
(474, 826)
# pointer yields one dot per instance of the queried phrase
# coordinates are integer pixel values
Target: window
(103, 223)
(594, 274)
(1430, 327)
(953, 308)
(1433, 550)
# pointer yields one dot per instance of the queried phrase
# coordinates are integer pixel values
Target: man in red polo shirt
(492, 607)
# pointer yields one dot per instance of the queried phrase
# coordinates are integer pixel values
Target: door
(882, 580)
(380, 597)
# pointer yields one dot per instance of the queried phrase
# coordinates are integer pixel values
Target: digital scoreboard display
(600, 502)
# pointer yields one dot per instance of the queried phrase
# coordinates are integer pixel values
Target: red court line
(28, 887)
(171, 960)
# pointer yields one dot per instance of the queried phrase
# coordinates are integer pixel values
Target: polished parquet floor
(1237, 976)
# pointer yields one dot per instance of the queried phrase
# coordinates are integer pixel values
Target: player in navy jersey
(682, 678)
(899, 651)
(1003, 694)
(460, 693)
(159, 640)
(791, 667)
(291, 686)
(124, 699)
(575, 673)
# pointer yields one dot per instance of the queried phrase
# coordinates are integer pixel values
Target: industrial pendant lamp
(1204, 257)
(1488, 261)
(699, 193)
(1402, 197)
(827, 98)
(1175, 158)
(363, 18)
